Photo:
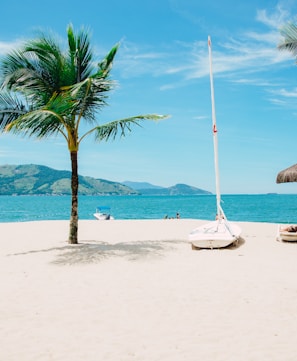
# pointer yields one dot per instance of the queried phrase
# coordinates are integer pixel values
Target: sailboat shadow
(237, 244)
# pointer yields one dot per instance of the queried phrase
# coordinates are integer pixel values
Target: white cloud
(277, 101)
(287, 93)
(275, 19)
(255, 82)
(254, 51)
(201, 117)
(273, 37)
(6, 47)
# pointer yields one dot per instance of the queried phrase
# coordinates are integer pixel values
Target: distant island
(178, 189)
(32, 179)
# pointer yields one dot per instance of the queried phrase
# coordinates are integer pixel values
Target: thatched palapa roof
(287, 175)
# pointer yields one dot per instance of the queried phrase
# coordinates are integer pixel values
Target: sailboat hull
(216, 234)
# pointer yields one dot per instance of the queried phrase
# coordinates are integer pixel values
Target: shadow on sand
(86, 252)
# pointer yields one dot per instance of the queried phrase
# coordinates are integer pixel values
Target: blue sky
(162, 67)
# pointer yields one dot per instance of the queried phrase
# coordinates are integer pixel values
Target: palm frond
(48, 61)
(80, 53)
(121, 127)
(11, 108)
(92, 91)
(14, 69)
(289, 32)
(90, 95)
(22, 72)
(105, 65)
(72, 51)
(47, 120)
(38, 123)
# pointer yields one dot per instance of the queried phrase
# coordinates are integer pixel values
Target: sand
(135, 290)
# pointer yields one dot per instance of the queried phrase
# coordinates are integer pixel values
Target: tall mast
(214, 131)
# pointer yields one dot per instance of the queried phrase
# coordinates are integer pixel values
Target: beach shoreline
(135, 290)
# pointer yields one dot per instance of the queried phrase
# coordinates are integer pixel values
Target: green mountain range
(37, 179)
(31, 179)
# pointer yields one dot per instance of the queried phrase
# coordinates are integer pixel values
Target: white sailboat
(218, 233)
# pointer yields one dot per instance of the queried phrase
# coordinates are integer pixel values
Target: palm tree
(289, 32)
(46, 91)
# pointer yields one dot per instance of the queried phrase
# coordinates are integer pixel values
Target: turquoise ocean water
(273, 208)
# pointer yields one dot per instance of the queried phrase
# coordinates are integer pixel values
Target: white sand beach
(135, 290)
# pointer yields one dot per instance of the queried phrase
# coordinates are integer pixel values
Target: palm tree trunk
(74, 200)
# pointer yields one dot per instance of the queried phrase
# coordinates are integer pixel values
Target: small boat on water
(103, 214)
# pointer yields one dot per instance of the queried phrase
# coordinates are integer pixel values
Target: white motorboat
(103, 214)
(218, 233)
